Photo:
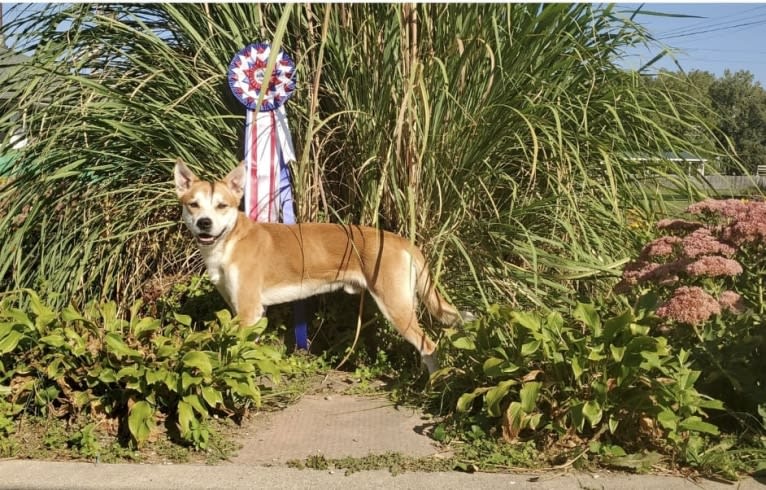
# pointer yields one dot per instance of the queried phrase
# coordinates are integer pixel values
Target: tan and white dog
(254, 265)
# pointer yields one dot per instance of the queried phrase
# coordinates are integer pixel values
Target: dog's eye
(222, 205)
(193, 205)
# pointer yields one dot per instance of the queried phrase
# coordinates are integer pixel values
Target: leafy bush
(140, 371)
(576, 378)
(707, 275)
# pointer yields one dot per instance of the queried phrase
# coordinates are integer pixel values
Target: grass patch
(395, 463)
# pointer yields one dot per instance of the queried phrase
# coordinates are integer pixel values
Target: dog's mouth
(206, 239)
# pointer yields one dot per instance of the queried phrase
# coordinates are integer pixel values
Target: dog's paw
(467, 316)
(431, 361)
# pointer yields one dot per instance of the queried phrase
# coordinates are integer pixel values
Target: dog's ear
(184, 177)
(236, 180)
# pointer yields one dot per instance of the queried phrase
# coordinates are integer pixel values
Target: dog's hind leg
(398, 306)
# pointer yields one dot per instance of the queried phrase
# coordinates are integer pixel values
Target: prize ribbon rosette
(268, 142)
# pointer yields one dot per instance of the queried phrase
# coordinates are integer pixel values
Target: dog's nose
(204, 224)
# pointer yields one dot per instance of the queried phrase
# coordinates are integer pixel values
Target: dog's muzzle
(204, 237)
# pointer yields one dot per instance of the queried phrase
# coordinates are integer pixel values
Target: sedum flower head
(690, 305)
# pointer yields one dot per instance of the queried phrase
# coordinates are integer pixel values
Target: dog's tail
(435, 303)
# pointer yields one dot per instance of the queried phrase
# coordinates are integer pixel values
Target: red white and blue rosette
(268, 142)
(246, 76)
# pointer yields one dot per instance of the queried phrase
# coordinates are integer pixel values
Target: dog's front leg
(250, 311)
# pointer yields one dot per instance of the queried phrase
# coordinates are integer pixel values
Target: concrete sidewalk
(26, 474)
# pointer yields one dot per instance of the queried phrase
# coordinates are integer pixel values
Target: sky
(722, 36)
(719, 36)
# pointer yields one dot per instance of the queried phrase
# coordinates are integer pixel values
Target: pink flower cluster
(691, 305)
(744, 221)
(713, 266)
(731, 301)
(694, 250)
(702, 242)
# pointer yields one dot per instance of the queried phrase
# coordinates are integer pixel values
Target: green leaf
(10, 341)
(614, 422)
(586, 313)
(224, 317)
(145, 325)
(185, 418)
(464, 343)
(166, 351)
(637, 329)
(668, 419)
(107, 375)
(212, 396)
(54, 340)
(141, 421)
(592, 411)
(528, 395)
(20, 317)
(617, 352)
(696, 424)
(439, 433)
(494, 367)
(196, 404)
(199, 360)
(130, 371)
(247, 390)
(514, 416)
(70, 314)
(466, 399)
(43, 314)
(188, 380)
(530, 348)
(118, 347)
(184, 320)
(596, 353)
(576, 415)
(534, 420)
(712, 404)
(156, 375)
(577, 369)
(615, 325)
(652, 360)
(495, 395)
(530, 321)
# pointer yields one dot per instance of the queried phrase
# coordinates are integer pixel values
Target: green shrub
(139, 370)
(577, 377)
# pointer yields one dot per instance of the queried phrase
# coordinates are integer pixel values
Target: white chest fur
(222, 274)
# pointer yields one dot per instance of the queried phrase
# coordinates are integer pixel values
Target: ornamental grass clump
(706, 273)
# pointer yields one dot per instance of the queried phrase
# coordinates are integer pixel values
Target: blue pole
(300, 317)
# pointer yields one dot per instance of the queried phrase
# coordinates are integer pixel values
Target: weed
(395, 463)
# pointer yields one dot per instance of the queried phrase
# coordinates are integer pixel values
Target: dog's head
(210, 209)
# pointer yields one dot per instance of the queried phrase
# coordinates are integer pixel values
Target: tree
(740, 104)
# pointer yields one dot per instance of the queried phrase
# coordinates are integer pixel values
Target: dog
(254, 265)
